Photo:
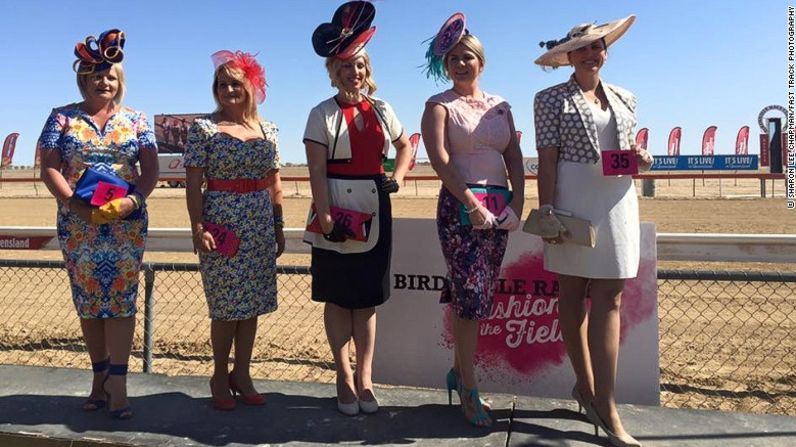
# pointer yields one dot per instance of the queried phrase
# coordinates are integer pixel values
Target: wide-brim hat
(98, 54)
(348, 31)
(580, 36)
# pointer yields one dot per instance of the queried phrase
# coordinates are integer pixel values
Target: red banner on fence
(8, 150)
(642, 137)
(414, 140)
(742, 141)
(673, 146)
(764, 150)
(709, 141)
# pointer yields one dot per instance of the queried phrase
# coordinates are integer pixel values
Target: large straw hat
(579, 36)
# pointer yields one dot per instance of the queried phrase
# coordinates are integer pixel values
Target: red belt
(241, 185)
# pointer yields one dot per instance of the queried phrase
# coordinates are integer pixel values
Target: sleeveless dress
(242, 286)
(478, 132)
(358, 280)
(103, 261)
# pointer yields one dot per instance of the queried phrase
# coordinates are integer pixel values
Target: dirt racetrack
(723, 345)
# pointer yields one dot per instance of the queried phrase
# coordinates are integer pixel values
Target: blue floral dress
(102, 261)
(242, 286)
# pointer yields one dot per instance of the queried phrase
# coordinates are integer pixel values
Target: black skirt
(356, 280)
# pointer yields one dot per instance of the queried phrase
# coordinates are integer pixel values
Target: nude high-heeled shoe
(617, 441)
(579, 399)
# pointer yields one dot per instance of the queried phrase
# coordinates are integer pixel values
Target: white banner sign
(520, 349)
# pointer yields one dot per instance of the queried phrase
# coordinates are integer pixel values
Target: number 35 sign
(619, 163)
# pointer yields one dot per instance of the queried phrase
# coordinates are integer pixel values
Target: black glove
(389, 185)
(339, 233)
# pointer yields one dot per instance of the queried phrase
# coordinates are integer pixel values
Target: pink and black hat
(348, 31)
(98, 54)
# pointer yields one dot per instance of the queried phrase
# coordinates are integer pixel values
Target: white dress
(609, 202)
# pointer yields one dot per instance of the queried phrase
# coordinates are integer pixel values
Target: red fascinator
(246, 63)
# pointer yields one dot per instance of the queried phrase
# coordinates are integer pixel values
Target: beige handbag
(580, 231)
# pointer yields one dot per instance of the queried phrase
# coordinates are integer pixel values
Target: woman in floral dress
(235, 151)
(102, 246)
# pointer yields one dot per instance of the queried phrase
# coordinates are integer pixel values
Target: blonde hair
(250, 113)
(118, 70)
(472, 43)
(333, 66)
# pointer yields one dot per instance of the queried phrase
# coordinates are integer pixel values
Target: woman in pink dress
(470, 138)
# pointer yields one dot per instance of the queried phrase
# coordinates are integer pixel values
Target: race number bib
(106, 192)
(619, 162)
(493, 199)
(356, 221)
(227, 241)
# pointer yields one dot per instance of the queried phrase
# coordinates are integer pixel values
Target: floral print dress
(242, 286)
(102, 261)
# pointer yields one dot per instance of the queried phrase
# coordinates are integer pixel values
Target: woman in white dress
(575, 121)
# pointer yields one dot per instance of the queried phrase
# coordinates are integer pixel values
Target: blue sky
(691, 63)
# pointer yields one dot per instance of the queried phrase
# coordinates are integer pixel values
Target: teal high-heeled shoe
(480, 418)
(453, 383)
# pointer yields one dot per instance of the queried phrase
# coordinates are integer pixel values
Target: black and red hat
(348, 31)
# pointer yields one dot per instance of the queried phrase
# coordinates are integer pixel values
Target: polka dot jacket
(564, 120)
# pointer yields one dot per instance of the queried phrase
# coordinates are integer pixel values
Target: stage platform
(41, 407)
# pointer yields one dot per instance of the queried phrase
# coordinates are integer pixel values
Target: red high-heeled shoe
(252, 399)
(222, 403)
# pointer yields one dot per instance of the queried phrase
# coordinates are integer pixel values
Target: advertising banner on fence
(520, 345)
(704, 163)
(673, 145)
(642, 137)
(742, 141)
(709, 141)
(9, 145)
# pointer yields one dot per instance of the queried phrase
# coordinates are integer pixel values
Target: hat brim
(611, 32)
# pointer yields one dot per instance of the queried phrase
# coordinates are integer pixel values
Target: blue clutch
(87, 184)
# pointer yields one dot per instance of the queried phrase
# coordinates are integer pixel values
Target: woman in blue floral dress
(235, 151)
(102, 246)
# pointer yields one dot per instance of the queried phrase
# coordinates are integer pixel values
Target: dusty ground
(723, 345)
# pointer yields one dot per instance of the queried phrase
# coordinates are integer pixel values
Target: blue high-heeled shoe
(453, 383)
(121, 413)
(480, 418)
(97, 404)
